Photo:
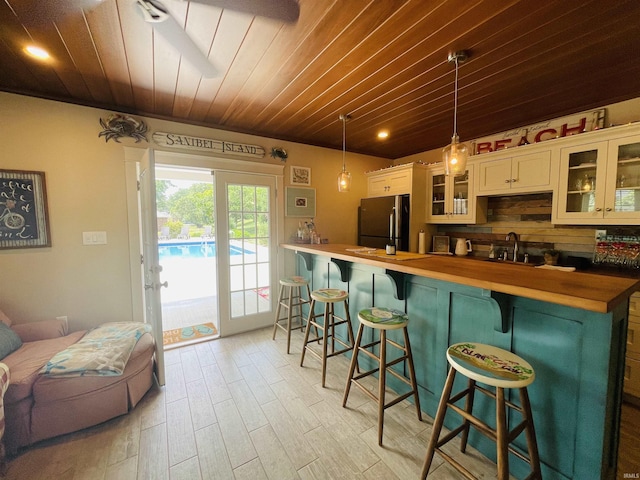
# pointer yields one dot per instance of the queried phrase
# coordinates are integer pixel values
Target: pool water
(193, 250)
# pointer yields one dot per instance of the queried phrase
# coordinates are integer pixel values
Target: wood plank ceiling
(382, 61)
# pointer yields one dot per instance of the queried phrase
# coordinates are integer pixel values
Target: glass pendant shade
(344, 178)
(455, 157)
(344, 181)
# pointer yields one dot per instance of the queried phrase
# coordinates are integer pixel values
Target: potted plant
(551, 256)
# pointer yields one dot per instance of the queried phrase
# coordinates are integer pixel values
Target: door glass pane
(249, 228)
(627, 197)
(461, 193)
(581, 186)
(438, 189)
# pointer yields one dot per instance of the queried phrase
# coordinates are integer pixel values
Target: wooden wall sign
(560, 127)
(175, 140)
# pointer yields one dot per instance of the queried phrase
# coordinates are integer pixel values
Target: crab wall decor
(279, 152)
(117, 126)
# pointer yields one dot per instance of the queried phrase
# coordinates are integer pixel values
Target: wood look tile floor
(241, 408)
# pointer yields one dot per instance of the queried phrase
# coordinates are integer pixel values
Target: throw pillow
(4, 319)
(9, 341)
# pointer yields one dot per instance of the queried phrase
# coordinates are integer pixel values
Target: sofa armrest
(33, 331)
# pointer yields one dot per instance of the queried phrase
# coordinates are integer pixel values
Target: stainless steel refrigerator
(382, 219)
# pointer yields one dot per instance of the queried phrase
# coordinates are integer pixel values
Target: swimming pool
(200, 249)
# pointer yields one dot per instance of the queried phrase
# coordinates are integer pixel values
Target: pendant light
(344, 179)
(455, 155)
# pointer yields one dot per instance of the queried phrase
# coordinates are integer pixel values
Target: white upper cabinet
(450, 199)
(599, 183)
(390, 181)
(505, 173)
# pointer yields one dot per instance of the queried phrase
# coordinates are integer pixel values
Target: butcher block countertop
(588, 291)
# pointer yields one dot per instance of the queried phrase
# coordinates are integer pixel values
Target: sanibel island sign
(175, 140)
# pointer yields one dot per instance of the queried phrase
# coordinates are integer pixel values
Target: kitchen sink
(510, 262)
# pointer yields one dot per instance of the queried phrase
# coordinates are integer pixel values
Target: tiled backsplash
(530, 217)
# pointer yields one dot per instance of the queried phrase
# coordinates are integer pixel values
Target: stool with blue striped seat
(290, 298)
(500, 369)
(330, 296)
(383, 319)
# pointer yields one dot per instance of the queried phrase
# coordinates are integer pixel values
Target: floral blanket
(103, 351)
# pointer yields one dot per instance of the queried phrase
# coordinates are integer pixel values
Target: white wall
(85, 180)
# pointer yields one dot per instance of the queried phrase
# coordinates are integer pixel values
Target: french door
(246, 232)
(150, 261)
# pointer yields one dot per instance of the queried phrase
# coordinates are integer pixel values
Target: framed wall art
(24, 222)
(301, 202)
(300, 176)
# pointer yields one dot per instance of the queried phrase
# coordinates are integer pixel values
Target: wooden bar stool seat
(290, 298)
(502, 370)
(330, 296)
(383, 319)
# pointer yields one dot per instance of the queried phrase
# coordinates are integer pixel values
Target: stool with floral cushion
(4, 384)
(501, 370)
(327, 325)
(383, 320)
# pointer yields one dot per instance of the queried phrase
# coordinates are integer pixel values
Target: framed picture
(300, 175)
(24, 222)
(301, 202)
(440, 244)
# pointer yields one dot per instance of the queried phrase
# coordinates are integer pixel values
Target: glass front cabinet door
(623, 180)
(450, 197)
(599, 182)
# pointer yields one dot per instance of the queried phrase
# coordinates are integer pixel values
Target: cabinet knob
(598, 209)
(507, 181)
(608, 209)
(514, 180)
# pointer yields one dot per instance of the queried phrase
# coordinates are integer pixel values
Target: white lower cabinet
(632, 364)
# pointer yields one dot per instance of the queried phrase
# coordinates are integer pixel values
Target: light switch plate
(94, 238)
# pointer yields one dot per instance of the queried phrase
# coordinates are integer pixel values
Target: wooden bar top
(588, 291)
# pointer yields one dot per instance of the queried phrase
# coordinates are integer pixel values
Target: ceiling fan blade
(163, 22)
(286, 11)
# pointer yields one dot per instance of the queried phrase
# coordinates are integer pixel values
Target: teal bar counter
(570, 326)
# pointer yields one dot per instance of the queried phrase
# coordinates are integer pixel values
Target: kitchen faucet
(515, 244)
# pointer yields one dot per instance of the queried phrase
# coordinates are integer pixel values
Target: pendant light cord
(344, 142)
(455, 101)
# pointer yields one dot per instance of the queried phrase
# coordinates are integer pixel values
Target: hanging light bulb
(455, 155)
(344, 179)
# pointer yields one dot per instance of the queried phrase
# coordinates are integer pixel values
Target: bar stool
(383, 319)
(290, 298)
(330, 296)
(500, 369)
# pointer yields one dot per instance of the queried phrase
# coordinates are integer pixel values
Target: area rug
(263, 292)
(178, 335)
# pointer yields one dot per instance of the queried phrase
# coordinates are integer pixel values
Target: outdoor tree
(162, 199)
(193, 204)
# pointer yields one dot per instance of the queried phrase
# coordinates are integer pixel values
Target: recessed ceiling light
(37, 52)
(383, 134)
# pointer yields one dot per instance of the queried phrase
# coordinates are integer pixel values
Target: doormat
(188, 333)
(263, 292)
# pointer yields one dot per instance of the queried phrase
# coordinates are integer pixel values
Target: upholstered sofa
(38, 406)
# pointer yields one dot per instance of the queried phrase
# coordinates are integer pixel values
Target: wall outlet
(62, 318)
(600, 234)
